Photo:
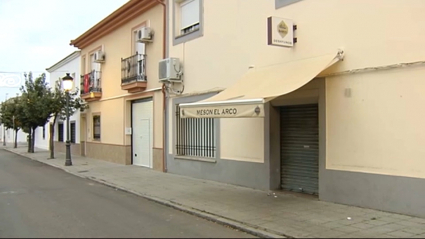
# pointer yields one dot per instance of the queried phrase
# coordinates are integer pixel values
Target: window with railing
(91, 82)
(195, 137)
(133, 68)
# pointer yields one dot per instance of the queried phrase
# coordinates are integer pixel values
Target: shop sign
(280, 32)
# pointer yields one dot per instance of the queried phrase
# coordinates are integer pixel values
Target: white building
(8, 135)
(70, 64)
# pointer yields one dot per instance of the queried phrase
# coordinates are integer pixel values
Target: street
(37, 200)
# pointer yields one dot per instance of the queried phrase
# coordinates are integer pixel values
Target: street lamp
(67, 84)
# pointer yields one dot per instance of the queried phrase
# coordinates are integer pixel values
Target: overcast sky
(35, 34)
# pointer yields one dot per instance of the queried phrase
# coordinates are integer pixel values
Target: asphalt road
(37, 200)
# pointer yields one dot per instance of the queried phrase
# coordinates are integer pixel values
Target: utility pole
(13, 122)
(4, 128)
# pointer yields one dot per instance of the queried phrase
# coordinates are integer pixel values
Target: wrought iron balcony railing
(133, 69)
(90, 82)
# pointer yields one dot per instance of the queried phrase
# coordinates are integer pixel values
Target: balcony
(91, 89)
(133, 73)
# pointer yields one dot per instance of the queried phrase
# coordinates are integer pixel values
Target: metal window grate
(60, 132)
(195, 137)
(72, 132)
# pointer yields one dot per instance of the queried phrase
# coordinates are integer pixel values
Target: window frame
(195, 137)
(283, 3)
(44, 132)
(61, 132)
(174, 135)
(73, 140)
(178, 37)
(95, 138)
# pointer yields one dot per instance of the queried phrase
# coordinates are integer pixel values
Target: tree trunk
(52, 137)
(29, 141)
(33, 140)
(51, 140)
(16, 138)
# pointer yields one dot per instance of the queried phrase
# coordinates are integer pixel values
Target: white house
(8, 135)
(70, 64)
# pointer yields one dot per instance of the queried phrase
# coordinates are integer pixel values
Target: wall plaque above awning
(246, 98)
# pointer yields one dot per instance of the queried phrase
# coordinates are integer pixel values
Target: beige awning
(247, 96)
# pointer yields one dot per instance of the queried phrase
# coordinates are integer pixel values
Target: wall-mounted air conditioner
(169, 70)
(144, 35)
(99, 56)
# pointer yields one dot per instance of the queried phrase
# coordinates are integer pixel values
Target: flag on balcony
(86, 83)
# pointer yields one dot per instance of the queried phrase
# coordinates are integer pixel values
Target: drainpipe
(164, 93)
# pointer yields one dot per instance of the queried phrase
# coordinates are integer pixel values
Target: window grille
(195, 137)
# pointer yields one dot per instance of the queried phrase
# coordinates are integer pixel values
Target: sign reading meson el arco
(233, 111)
(224, 112)
(280, 32)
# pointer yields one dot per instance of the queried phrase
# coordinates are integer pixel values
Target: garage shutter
(299, 148)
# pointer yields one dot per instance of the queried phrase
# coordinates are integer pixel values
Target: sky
(35, 34)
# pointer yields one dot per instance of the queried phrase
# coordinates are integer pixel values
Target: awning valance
(246, 98)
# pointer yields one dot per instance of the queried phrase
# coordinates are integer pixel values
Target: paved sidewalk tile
(254, 210)
(400, 234)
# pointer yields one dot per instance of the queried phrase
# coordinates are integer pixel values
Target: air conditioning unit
(99, 56)
(169, 70)
(144, 35)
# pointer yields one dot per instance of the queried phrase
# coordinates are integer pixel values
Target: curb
(251, 229)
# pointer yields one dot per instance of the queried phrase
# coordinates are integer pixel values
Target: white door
(142, 133)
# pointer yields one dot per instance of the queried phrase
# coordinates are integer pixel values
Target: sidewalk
(265, 214)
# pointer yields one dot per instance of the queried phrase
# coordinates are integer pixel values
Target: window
(60, 132)
(282, 3)
(187, 20)
(95, 70)
(96, 127)
(139, 49)
(195, 137)
(72, 128)
(189, 16)
(44, 131)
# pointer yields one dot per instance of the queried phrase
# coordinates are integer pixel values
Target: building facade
(70, 64)
(119, 81)
(317, 97)
(7, 136)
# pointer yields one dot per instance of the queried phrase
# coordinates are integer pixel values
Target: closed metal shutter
(300, 148)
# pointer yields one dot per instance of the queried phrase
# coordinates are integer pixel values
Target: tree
(36, 104)
(58, 109)
(11, 116)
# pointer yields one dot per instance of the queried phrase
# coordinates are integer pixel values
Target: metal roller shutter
(300, 148)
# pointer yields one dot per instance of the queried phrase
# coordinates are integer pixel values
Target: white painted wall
(10, 134)
(72, 67)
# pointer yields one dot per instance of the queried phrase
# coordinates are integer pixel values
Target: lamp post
(67, 84)
(13, 123)
(4, 128)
